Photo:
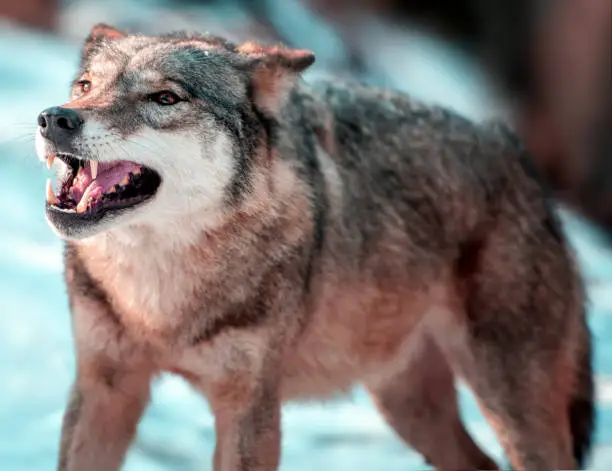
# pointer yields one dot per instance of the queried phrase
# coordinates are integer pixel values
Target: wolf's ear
(275, 70)
(100, 32)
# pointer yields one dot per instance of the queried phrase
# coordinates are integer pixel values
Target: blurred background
(543, 65)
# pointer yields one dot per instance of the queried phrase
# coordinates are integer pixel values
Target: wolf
(270, 239)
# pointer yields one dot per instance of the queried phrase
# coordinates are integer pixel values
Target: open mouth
(89, 189)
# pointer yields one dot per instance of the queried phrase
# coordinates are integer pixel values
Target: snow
(176, 434)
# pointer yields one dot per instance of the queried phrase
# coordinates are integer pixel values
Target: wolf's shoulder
(383, 110)
(362, 113)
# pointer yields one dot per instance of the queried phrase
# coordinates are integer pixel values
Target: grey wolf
(271, 240)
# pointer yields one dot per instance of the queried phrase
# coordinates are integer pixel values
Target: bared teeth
(82, 206)
(84, 203)
(51, 198)
(125, 180)
(112, 190)
(50, 159)
(94, 168)
(137, 171)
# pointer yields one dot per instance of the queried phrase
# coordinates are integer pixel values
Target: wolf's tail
(582, 405)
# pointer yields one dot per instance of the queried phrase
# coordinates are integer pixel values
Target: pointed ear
(99, 33)
(275, 70)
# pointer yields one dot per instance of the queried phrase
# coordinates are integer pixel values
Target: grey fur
(365, 237)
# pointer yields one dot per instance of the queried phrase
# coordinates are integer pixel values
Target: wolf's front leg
(248, 434)
(100, 421)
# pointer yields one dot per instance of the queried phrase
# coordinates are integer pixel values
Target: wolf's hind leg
(420, 404)
(518, 342)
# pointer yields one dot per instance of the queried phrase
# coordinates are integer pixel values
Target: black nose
(58, 122)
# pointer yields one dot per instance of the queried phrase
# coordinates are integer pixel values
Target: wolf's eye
(84, 86)
(165, 98)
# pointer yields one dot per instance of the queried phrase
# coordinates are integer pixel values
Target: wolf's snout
(58, 122)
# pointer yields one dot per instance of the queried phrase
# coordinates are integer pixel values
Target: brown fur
(384, 242)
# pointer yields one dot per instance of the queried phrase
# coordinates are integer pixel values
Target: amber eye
(165, 98)
(84, 86)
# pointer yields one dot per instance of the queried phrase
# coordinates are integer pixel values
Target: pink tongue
(109, 175)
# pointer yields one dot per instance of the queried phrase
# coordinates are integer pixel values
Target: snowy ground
(36, 361)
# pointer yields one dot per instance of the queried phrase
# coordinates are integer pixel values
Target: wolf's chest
(147, 291)
(148, 298)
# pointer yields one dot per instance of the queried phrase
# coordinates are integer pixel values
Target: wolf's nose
(58, 122)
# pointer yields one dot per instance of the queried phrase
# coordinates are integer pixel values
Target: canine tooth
(94, 168)
(51, 198)
(137, 171)
(50, 160)
(125, 180)
(112, 190)
(82, 206)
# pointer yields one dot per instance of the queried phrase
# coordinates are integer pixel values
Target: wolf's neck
(151, 276)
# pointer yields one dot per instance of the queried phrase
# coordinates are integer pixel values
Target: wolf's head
(162, 126)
